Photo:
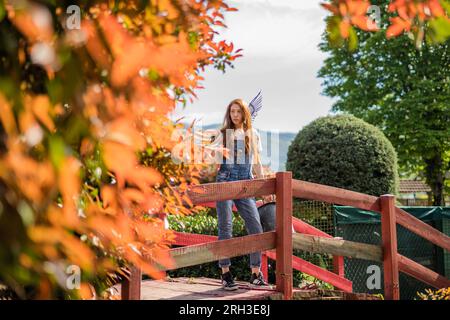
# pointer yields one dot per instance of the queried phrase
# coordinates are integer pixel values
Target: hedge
(346, 152)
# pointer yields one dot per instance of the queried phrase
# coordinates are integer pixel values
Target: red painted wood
(389, 243)
(188, 255)
(187, 239)
(211, 192)
(422, 273)
(317, 272)
(131, 288)
(314, 191)
(303, 227)
(338, 266)
(213, 205)
(341, 283)
(422, 229)
(264, 266)
(283, 271)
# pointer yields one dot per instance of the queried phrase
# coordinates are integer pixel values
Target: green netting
(446, 255)
(365, 226)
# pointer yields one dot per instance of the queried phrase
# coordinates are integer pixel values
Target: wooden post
(389, 244)
(264, 268)
(284, 234)
(338, 263)
(131, 288)
(338, 266)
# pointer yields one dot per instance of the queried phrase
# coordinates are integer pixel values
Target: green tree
(345, 152)
(400, 89)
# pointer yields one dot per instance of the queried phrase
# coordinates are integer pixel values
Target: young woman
(244, 146)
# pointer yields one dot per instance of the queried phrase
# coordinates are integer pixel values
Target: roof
(413, 186)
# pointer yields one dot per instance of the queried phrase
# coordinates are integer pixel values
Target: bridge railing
(283, 240)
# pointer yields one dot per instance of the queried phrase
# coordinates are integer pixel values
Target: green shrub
(345, 152)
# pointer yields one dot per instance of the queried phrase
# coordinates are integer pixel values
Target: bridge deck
(210, 289)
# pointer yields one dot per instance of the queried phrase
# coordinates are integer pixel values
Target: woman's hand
(268, 198)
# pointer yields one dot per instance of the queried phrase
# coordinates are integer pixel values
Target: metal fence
(364, 226)
(319, 215)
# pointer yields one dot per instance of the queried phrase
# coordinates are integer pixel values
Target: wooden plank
(317, 272)
(182, 238)
(187, 239)
(213, 205)
(264, 267)
(283, 272)
(303, 227)
(389, 244)
(220, 191)
(422, 273)
(131, 288)
(337, 247)
(207, 252)
(338, 265)
(314, 191)
(422, 229)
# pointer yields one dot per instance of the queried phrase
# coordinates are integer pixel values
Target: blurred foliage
(441, 294)
(422, 20)
(85, 138)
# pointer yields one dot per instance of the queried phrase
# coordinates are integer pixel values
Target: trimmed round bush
(345, 152)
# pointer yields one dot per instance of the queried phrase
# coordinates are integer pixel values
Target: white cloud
(279, 40)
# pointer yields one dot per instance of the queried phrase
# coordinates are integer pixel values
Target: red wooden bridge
(278, 244)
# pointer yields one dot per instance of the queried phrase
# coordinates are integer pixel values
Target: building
(414, 193)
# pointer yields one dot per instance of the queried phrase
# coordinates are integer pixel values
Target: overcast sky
(280, 41)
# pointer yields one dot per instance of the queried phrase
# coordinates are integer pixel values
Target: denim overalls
(240, 169)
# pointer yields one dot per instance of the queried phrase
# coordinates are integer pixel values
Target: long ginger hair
(247, 123)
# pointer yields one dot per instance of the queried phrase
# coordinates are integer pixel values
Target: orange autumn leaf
(78, 252)
(436, 8)
(397, 26)
(45, 234)
(145, 177)
(7, 117)
(167, 6)
(86, 292)
(133, 195)
(32, 19)
(33, 178)
(122, 131)
(69, 185)
(120, 159)
(110, 87)
(109, 196)
(44, 290)
(361, 22)
(344, 27)
(95, 46)
(40, 105)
